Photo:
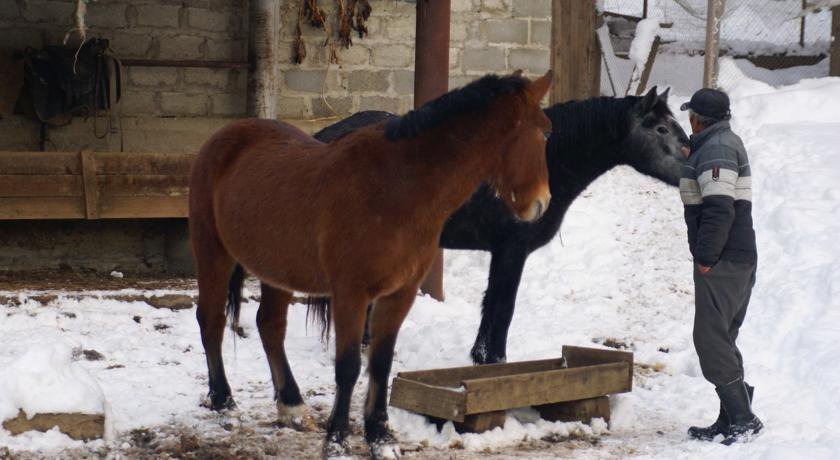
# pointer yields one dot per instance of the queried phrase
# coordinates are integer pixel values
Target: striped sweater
(716, 190)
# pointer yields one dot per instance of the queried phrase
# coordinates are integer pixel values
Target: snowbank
(45, 380)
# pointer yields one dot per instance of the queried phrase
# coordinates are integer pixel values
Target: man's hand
(686, 151)
(703, 269)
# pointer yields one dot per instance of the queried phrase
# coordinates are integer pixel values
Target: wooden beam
(431, 79)
(575, 55)
(89, 180)
(445, 403)
(453, 376)
(834, 67)
(710, 61)
(545, 387)
(648, 66)
(262, 54)
(583, 410)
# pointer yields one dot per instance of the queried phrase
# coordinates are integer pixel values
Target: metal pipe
(184, 63)
(431, 79)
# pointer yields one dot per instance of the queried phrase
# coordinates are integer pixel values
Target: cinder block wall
(377, 72)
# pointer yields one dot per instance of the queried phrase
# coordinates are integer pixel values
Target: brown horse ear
(517, 73)
(539, 87)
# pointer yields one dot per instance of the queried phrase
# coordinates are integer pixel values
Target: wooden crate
(573, 387)
(93, 185)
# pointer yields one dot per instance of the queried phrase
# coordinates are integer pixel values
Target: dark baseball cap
(710, 103)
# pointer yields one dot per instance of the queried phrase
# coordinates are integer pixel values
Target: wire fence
(757, 37)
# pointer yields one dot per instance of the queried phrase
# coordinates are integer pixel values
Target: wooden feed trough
(574, 387)
(93, 185)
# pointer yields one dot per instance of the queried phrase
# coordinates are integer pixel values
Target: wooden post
(802, 24)
(262, 47)
(575, 55)
(654, 48)
(710, 63)
(834, 68)
(431, 79)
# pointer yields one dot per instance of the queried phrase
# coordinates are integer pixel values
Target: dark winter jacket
(716, 191)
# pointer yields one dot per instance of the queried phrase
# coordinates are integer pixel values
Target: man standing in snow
(715, 189)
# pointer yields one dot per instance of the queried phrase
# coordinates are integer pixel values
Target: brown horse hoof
(295, 417)
(218, 404)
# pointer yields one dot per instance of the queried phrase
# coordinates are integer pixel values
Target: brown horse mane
(474, 97)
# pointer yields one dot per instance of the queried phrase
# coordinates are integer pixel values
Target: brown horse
(358, 220)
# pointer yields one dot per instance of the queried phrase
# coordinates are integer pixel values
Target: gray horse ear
(664, 96)
(648, 101)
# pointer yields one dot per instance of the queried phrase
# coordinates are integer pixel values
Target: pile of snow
(646, 32)
(45, 379)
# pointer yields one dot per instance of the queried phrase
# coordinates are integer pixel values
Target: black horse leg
(497, 307)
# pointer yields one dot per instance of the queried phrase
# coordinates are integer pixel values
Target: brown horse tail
(234, 297)
(318, 313)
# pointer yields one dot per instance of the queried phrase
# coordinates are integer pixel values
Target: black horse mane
(608, 119)
(472, 98)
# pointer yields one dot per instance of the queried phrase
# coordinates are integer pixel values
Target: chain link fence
(778, 42)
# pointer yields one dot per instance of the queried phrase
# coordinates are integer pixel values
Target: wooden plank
(144, 163)
(654, 48)
(39, 163)
(89, 180)
(584, 356)
(530, 389)
(33, 185)
(834, 67)
(132, 207)
(143, 185)
(63, 207)
(453, 376)
(426, 399)
(583, 410)
(575, 55)
(479, 423)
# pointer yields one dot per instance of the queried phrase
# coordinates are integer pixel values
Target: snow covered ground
(620, 270)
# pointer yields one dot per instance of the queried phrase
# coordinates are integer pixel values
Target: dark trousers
(721, 297)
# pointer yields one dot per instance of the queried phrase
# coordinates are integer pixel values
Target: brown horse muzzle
(538, 207)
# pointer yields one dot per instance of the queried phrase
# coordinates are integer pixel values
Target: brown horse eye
(662, 130)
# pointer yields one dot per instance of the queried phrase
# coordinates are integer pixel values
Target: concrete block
(484, 59)
(130, 45)
(532, 8)
(388, 104)
(110, 15)
(228, 104)
(393, 56)
(458, 31)
(535, 61)
(158, 77)
(180, 47)
(179, 261)
(399, 29)
(135, 102)
(343, 106)
(184, 104)
(540, 33)
(459, 81)
(404, 81)
(212, 78)
(234, 50)
(463, 6)
(53, 13)
(158, 15)
(292, 107)
(505, 31)
(358, 54)
(495, 6)
(204, 19)
(360, 81)
(82, 427)
(311, 81)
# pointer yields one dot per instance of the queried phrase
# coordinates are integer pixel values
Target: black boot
(742, 422)
(719, 427)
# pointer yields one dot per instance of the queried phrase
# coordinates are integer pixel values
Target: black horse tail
(318, 313)
(234, 297)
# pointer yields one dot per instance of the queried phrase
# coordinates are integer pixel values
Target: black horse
(588, 138)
